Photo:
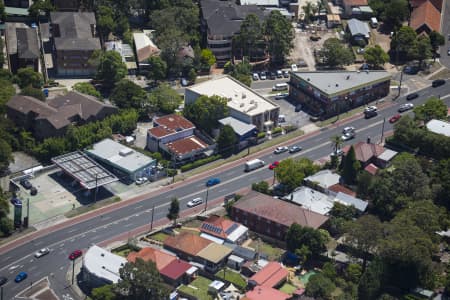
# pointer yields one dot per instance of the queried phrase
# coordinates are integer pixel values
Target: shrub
(289, 128)
(277, 130)
(261, 135)
(199, 163)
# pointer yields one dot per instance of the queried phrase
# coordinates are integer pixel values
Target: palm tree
(336, 142)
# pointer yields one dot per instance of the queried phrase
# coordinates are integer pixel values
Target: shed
(215, 286)
(358, 29)
(235, 262)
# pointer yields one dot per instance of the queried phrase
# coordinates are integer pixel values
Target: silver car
(195, 202)
(42, 252)
(405, 107)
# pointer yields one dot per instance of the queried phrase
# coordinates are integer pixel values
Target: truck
(254, 164)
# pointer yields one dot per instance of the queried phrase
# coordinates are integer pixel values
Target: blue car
(21, 276)
(212, 181)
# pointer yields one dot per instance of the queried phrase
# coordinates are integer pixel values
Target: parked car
(281, 96)
(405, 107)
(412, 96)
(3, 280)
(298, 108)
(274, 165)
(348, 129)
(395, 118)
(294, 149)
(262, 76)
(279, 150)
(42, 252)
(286, 74)
(195, 202)
(437, 82)
(141, 180)
(370, 113)
(255, 76)
(33, 191)
(279, 74)
(294, 68)
(212, 181)
(302, 64)
(448, 51)
(75, 254)
(26, 183)
(272, 76)
(348, 136)
(21, 276)
(184, 82)
(411, 70)
(337, 152)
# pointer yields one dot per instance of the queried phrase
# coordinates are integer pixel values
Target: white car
(348, 136)
(405, 107)
(279, 150)
(42, 252)
(371, 108)
(195, 202)
(141, 180)
(348, 129)
(255, 76)
(294, 68)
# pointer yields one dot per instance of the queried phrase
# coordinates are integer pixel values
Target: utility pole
(400, 85)
(206, 202)
(274, 170)
(151, 222)
(1, 293)
(382, 130)
(73, 271)
(96, 189)
(28, 212)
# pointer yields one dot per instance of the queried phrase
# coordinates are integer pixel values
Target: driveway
(287, 109)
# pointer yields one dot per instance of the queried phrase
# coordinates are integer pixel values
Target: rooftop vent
(348, 77)
(125, 152)
(102, 255)
(244, 96)
(337, 84)
(308, 79)
(241, 105)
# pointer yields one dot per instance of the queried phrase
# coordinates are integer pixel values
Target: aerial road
(137, 215)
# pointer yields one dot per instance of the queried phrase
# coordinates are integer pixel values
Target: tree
(27, 76)
(290, 173)
(105, 21)
(206, 112)
(164, 99)
(423, 49)
(127, 94)
(308, 10)
(329, 270)
(404, 44)
(250, 35)
(436, 40)
(335, 54)
(395, 12)
(111, 69)
(298, 236)
(103, 293)
(207, 58)
(240, 71)
(320, 287)
(40, 6)
(370, 285)
(279, 35)
(174, 210)
(5, 156)
(2, 13)
(351, 167)
(170, 41)
(6, 93)
(157, 68)
(87, 88)
(141, 280)
(33, 92)
(375, 56)
(262, 187)
(433, 108)
(336, 143)
(226, 141)
(353, 272)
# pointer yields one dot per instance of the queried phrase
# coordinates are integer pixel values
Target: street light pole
(96, 188)
(382, 130)
(73, 271)
(151, 223)
(206, 202)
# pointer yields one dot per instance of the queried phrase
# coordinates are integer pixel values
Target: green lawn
(288, 288)
(122, 251)
(197, 288)
(272, 252)
(232, 277)
(159, 236)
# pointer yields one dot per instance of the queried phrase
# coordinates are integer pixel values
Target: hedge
(261, 135)
(200, 162)
(277, 130)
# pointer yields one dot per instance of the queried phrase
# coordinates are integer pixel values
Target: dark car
(26, 184)
(411, 70)
(295, 149)
(370, 113)
(272, 76)
(33, 191)
(75, 254)
(3, 280)
(437, 82)
(412, 96)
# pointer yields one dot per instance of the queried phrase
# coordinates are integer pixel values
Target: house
(349, 200)
(336, 188)
(333, 92)
(126, 52)
(127, 163)
(224, 230)
(51, 118)
(265, 3)
(74, 38)
(312, 200)
(439, 127)
(272, 275)
(213, 256)
(101, 267)
(322, 180)
(371, 169)
(273, 217)
(235, 262)
(367, 153)
(145, 48)
(425, 17)
(22, 46)
(356, 7)
(243, 252)
(160, 258)
(186, 245)
(243, 103)
(264, 292)
(359, 31)
(244, 132)
(221, 21)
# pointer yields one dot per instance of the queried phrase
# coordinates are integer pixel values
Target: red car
(274, 165)
(395, 118)
(75, 254)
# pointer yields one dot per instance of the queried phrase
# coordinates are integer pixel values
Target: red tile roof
(279, 211)
(355, 3)
(186, 145)
(261, 292)
(160, 258)
(417, 3)
(271, 275)
(364, 151)
(426, 14)
(175, 269)
(340, 188)
(220, 223)
(371, 168)
(170, 124)
(187, 242)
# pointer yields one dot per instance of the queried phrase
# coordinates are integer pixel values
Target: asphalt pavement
(130, 217)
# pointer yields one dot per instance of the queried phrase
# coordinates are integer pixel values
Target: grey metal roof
(118, 155)
(246, 253)
(311, 200)
(239, 127)
(27, 43)
(324, 178)
(358, 27)
(336, 82)
(345, 199)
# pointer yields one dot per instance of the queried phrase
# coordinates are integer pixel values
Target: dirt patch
(381, 39)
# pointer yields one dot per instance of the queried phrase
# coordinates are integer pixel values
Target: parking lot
(287, 109)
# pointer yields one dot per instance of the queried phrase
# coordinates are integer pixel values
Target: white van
(373, 22)
(280, 87)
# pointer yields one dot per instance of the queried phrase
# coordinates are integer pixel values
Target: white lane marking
(138, 207)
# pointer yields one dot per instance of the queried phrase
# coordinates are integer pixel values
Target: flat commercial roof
(334, 83)
(85, 170)
(240, 97)
(123, 157)
(103, 264)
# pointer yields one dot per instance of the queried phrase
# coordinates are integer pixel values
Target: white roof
(216, 284)
(240, 97)
(141, 40)
(260, 2)
(237, 233)
(103, 264)
(345, 199)
(440, 127)
(312, 200)
(324, 178)
(238, 126)
(191, 270)
(387, 155)
(236, 258)
(212, 238)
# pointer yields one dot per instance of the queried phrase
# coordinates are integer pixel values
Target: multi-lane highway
(137, 214)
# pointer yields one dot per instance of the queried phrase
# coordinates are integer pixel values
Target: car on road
(294, 149)
(348, 129)
(274, 165)
(286, 74)
(395, 118)
(281, 96)
(370, 108)
(195, 202)
(255, 76)
(75, 254)
(412, 96)
(279, 150)
(212, 181)
(294, 68)
(405, 107)
(348, 136)
(263, 76)
(337, 152)
(437, 82)
(298, 108)
(370, 113)
(279, 74)
(21, 276)
(3, 280)
(26, 183)
(42, 252)
(448, 51)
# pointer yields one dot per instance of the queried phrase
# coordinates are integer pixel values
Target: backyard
(272, 252)
(233, 277)
(197, 289)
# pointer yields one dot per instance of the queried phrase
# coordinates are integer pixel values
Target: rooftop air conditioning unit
(125, 152)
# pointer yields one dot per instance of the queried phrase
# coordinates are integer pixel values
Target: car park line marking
(128, 225)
